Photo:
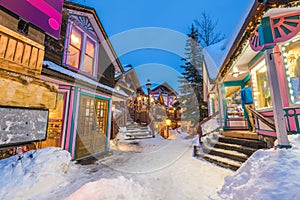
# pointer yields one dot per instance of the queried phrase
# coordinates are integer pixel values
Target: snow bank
(268, 174)
(32, 174)
(117, 188)
(210, 126)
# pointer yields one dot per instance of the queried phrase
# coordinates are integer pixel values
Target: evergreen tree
(191, 81)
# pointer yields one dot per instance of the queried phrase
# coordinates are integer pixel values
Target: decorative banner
(22, 125)
(46, 14)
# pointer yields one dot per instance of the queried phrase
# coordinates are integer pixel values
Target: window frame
(85, 36)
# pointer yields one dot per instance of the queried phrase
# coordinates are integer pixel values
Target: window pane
(292, 65)
(261, 88)
(88, 64)
(90, 47)
(73, 56)
(76, 38)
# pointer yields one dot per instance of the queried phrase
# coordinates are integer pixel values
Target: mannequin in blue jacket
(246, 96)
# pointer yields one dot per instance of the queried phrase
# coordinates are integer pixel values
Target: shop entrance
(92, 126)
(234, 110)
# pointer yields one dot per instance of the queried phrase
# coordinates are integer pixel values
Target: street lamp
(148, 84)
(168, 124)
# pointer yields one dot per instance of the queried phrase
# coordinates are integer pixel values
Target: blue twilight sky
(151, 35)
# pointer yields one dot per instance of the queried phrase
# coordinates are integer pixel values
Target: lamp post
(168, 124)
(148, 84)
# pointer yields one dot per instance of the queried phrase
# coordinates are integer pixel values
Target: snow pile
(117, 188)
(33, 173)
(177, 135)
(268, 174)
(210, 126)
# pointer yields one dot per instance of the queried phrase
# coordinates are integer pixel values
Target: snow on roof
(216, 54)
(212, 56)
(55, 67)
(230, 42)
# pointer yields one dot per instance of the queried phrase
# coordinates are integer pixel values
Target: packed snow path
(165, 169)
(152, 168)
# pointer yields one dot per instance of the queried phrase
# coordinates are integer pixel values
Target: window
(261, 88)
(93, 115)
(291, 60)
(74, 48)
(81, 51)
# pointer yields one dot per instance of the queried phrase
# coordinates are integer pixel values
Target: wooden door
(92, 126)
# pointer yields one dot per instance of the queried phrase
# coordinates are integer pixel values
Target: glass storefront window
(291, 60)
(261, 88)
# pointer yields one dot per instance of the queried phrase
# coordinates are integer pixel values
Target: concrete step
(255, 144)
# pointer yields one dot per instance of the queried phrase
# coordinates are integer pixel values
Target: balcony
(20, 54)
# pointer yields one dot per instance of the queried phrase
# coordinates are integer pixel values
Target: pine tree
(191, 81)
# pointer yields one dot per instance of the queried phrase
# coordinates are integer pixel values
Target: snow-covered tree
(191, 80)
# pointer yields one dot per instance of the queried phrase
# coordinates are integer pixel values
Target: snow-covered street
(137, 169)
(152, 168)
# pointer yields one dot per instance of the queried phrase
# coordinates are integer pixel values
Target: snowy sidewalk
(167, 171)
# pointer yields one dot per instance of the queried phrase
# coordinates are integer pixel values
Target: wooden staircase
(228, 150)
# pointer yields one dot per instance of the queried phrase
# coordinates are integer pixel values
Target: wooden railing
(19, 53)
(265, 120)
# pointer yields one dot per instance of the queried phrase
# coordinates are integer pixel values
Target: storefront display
(55, 123)
(233, 100)
(261, 88)
(291, 60)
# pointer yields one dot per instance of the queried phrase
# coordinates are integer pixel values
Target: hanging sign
(45, 14)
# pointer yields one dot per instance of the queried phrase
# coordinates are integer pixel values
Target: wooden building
(83, 64)
(264, 51)
(21, 57)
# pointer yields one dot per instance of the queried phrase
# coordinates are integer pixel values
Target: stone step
(234, 147)
(255, 144)
(136, 127)
(139, 133)
(138, 137)
(137, 130)
(233, 155)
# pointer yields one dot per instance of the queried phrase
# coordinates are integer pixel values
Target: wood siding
(20, 54)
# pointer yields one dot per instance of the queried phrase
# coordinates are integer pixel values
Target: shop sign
(22, 125)
(45, 14)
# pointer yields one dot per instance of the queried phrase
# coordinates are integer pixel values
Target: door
(92, 126)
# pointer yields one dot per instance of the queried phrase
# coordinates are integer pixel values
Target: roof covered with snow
(55, 67)
(212, 57)
(216, 54)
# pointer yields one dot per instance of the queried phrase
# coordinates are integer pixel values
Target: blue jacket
(246, 95)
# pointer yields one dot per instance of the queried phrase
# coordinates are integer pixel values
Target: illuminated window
(261, 88)
(74, 49)
(291, 60)
(81, 51)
